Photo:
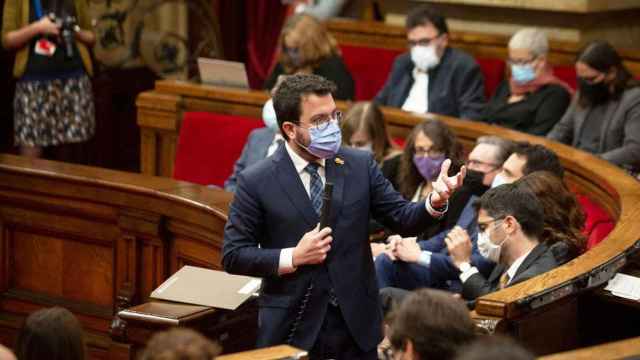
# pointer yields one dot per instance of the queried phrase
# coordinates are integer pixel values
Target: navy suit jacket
(271, 210)
(253, 151)
(456, 85)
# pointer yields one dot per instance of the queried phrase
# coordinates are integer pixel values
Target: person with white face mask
(532, 100)
(432, 77)
(261, 143)
(510, 222)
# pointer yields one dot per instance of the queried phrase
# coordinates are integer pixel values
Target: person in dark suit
(433, 77)
(319, 291)
(510, 223)
(261, 143)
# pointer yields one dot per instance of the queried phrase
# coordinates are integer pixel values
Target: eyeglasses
(322, 121)
(472, 162)
(521, 61)
(421, 42)
(430, 152)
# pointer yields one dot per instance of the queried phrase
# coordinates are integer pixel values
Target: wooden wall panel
(62, 268)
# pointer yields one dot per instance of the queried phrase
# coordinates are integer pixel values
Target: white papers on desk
(625, 286)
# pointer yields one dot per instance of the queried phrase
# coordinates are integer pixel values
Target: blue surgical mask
(325, 142)
(522, 74)
(269, 115)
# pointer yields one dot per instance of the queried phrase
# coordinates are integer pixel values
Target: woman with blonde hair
(307, 47)
(363, 128)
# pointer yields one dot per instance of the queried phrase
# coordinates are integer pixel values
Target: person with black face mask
(604, 117)
(411, 263)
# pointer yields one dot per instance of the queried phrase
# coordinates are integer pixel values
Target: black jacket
(536, 114)
(539, 261)
(456, 85)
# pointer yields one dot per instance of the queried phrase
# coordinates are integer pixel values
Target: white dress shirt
(418, 99)
(285, 265)
(274, 144)
(511, 271)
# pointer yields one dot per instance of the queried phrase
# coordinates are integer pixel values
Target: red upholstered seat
(493, 71)
(209, 146)
(566, 73)
(369, 66)
(598, 223)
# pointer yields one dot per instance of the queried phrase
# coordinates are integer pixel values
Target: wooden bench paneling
(96, 241)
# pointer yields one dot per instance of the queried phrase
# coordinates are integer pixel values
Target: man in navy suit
(319, 290)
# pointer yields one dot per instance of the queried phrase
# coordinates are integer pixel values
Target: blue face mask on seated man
(325, 142)
(522, 74)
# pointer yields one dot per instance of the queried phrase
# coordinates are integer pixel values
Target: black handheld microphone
(326, 205)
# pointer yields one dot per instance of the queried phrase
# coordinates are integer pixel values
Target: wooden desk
(270, 353)
(616, 350)
(546, 304)
(97, 241)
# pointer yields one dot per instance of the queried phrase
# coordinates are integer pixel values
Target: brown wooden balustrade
(546, 304)
(97, 241)
(480, 45)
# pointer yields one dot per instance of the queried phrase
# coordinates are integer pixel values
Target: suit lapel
(579, 124)
(535, 253)
(608, 118)
(289, 180)
(335, 173)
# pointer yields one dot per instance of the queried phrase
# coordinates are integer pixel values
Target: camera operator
(53, 103)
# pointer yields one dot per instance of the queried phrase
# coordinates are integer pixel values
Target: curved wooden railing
(522, 305)
(96, 241)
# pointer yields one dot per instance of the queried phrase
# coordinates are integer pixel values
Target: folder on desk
(200, 286)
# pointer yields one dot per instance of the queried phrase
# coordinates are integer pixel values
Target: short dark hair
(53, 333)
(435, 322)
(514, 200)
(180, 343)
(424, 15)
(288, 96)
(539, 158)
(489, 347)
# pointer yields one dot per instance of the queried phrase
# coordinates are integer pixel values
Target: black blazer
(456, 85)
(539, 261)
(536, 114)
(332, 69)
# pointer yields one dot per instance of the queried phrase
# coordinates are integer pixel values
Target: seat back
(369, 66)
(493, 72)
(209, 144)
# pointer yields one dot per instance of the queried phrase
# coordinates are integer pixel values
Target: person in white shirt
(510, 222)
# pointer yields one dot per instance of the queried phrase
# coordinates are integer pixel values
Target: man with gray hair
(532, 100)
(410, 264)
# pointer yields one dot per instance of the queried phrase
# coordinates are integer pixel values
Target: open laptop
(199, 286)
(223, 73)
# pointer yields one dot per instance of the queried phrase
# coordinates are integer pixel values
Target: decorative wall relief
(166, 36)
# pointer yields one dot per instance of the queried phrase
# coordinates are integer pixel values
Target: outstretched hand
(446, 185)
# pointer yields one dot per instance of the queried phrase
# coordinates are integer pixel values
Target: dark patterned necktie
(315, 186)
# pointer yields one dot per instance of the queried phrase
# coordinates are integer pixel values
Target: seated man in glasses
(433, 77)
(410, 264)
